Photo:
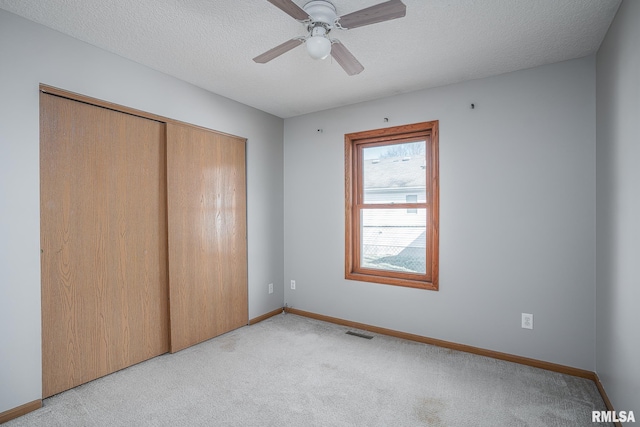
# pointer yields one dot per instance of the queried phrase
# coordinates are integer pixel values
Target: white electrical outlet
(527, 321)
(270, 288)
(293, 284)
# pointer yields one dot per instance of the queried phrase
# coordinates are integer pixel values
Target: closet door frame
(47, 89)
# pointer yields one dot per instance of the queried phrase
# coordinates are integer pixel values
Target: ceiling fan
(320, 17)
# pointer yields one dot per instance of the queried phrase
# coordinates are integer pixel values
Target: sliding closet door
(103, 240)
(206, 195)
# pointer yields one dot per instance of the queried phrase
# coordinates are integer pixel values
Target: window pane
(412, 198)
(393, 240)
(392, 172)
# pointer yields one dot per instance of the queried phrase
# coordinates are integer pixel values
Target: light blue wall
(517, 202)
(517, 214)
(618, 210)
(31, 54)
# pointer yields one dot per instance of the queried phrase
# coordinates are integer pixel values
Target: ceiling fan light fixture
(318, 45)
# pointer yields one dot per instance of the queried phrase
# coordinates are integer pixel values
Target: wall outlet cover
(527, 321)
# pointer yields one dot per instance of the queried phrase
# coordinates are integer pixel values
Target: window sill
(409, 283)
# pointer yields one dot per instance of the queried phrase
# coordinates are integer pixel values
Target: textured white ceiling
(211, 43)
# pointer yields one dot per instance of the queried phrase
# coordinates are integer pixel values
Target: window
(392, 195)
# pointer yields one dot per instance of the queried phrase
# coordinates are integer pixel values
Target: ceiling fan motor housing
(321, 11)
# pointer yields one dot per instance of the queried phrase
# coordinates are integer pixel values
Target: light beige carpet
(294, 371)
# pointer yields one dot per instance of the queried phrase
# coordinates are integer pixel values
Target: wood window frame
(354, 203)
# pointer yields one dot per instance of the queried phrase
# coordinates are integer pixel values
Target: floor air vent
(355, 334)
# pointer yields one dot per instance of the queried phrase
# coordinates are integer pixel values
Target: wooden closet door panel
(103, 240)
(206, 191)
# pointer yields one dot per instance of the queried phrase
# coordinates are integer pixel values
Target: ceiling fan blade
(278, 50)
(290, 8)
(372, 15)
(345, 58)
